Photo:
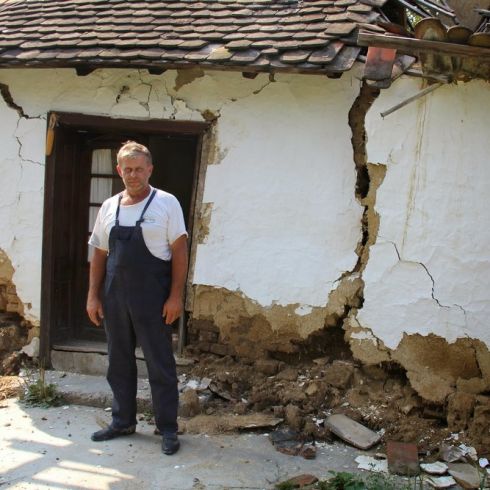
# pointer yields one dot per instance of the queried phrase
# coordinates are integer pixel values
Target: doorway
(80, 175)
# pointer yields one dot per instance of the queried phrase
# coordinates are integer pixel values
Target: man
(137, 277)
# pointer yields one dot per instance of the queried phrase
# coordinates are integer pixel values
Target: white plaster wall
(430, 267)
(284, 223)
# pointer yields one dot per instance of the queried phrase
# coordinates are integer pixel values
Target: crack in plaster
(400, 259)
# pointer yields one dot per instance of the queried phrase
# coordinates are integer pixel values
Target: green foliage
(285, 485)
(374, 481)
(40, 394)
(343, 481)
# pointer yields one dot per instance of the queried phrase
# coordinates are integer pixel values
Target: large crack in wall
(228, 322)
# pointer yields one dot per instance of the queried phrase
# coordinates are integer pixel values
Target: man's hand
(172, 309)
(95, 311)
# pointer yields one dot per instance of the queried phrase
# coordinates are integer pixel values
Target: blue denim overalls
(137, 284)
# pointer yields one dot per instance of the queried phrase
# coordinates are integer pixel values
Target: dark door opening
(80, 175)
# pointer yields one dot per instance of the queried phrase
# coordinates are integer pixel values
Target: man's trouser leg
(122, 373)
(156, 341)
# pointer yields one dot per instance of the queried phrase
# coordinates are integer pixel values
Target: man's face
(135, 173)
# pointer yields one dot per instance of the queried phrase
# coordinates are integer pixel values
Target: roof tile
(307, 35)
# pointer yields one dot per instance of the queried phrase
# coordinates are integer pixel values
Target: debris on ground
(218, 424)
(467, 475)
(352, 432)
(290, 442)
(305, 394)
(441, 481)
(299, 481)
(437, 468)
(10, 387)
(372, 463)
(403, 458)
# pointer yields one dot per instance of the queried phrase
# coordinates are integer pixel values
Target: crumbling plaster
(426, 297)
(282, 162)
(428, 270)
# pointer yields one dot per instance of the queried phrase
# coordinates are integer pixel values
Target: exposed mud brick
(294, 417)
(460, 410)
(375, 372)
(207, 336)
(189, 405)
(220, 349)
(10, 338)
(339, 374)
(288, 374)
(433, 365)
(403, 458)
(203, 346)
(473, 385)
(11, 365)
(479, 429)
(269, 367)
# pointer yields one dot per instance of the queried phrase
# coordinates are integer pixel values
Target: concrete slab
(51, 449)
(94, 391)
(352, 432)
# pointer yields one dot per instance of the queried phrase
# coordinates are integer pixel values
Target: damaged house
(317, 226)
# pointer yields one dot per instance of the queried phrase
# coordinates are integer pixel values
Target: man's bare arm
(173, 307)
(97, 274)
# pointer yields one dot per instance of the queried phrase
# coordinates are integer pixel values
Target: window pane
(102, 161)
(100, 189)
(92, 215)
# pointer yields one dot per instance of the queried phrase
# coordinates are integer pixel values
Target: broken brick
(403, 458)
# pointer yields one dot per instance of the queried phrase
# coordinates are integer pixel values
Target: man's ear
(119, 170)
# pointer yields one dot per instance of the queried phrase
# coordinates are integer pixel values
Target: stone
(351, 431)
(288, 374)
(10, 338)
(403, 458)
(293, 416)
(441, 481)
(437, 468)
(311, 389)
(301, 481)
(466, 475)
(269, 367)
(189, 405)
(339, 374)
(308, 451)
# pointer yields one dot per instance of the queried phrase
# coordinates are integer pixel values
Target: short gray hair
(131, 149)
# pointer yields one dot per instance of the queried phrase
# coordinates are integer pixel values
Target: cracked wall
(426, 296)
(285, 223)
(257, 240)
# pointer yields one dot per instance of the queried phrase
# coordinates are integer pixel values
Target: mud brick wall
(204, 336)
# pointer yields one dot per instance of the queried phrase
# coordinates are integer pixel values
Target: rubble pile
(305, 395)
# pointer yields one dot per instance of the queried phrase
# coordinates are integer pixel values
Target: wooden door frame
(100, 123)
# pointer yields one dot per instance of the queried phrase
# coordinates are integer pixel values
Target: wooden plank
(409, 46)
(149, 126)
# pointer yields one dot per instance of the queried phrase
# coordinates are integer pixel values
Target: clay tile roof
(305, 36)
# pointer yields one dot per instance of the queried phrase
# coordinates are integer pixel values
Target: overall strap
(146, 206)
(117, 210)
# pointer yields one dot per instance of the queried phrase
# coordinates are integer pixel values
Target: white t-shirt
(163, 222)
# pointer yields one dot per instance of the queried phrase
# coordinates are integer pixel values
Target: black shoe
(111, 432)
(170, 443)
